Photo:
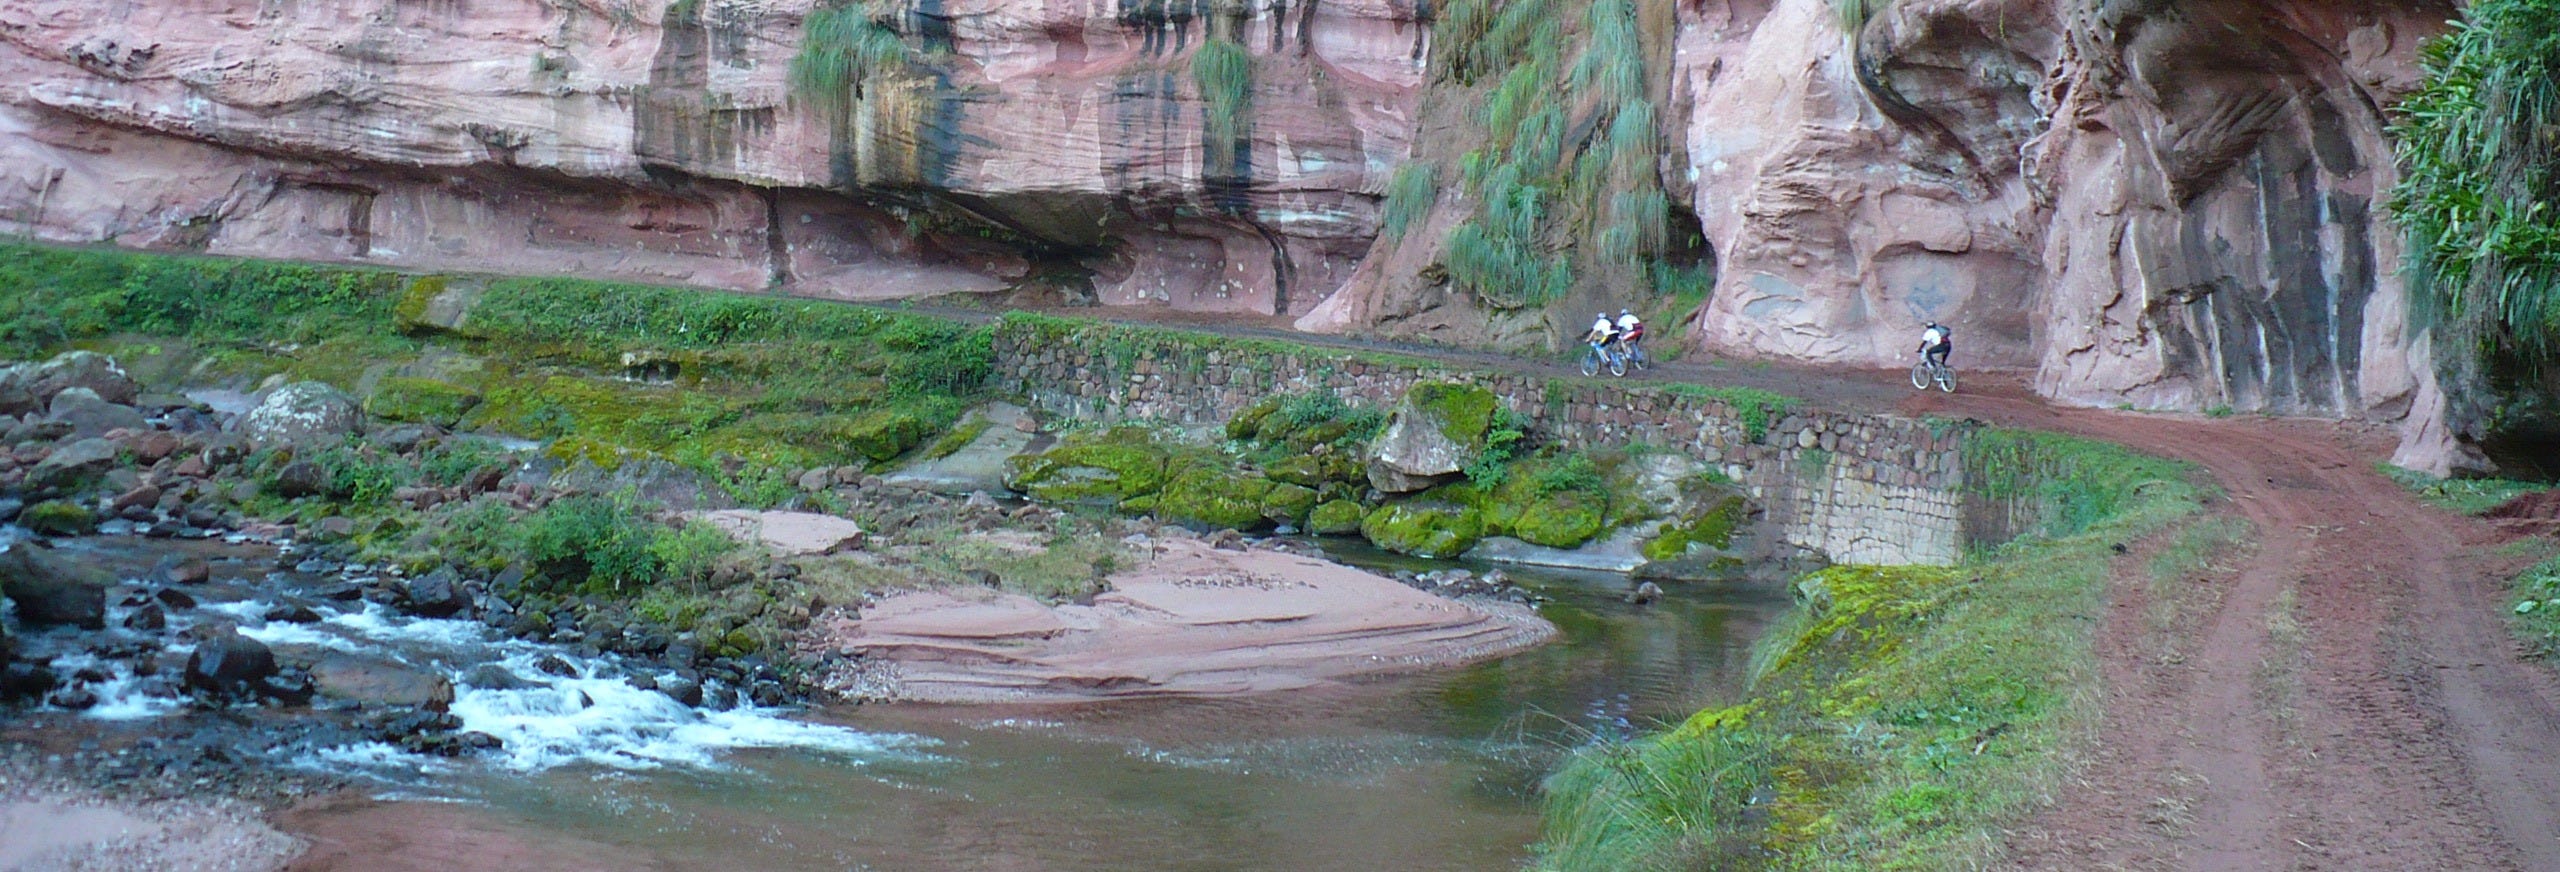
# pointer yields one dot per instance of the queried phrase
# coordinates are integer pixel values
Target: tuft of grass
(2537, 608)
(842, 44)
(2470, 496)
(1410, 195)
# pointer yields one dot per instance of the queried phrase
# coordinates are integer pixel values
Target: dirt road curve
(2343, 696)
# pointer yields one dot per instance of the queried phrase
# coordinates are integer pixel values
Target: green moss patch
(59, 518)
(1424, 528)
(1336, 518)
(424, 401)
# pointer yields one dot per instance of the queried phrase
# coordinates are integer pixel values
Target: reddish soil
(2398, 728)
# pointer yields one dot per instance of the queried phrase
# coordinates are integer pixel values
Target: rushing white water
(592, 716)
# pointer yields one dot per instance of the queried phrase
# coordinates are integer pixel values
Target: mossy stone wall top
(1857, 488)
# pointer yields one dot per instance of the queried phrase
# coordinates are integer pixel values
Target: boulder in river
(50, 588)
(229, 664)
(176, 569)
(299, 413)
(381, 683)
(1434, 431)
(72, 466)
(90, 415)
(83, 370)
(438, 594)
(23, 680)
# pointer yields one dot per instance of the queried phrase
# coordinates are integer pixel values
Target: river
(1434, 771)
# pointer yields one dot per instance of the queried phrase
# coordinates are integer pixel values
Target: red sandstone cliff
(2167, 204)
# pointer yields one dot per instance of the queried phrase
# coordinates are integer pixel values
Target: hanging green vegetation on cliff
(842, 45)
(1224, 72)
(2479, 146)
(1567, 183)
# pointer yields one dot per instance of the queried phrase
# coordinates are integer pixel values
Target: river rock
(301, 478)
(148, 618)
(229, 664)
(90, 415)
(50, 588)
(17, 390)
(183, 569)
(291, 613)
(72, 466)
(72, 698)
(683, 690)
(1434, 431)
(300, 413)
(84, 370)
(438, 594)
(378, 682)
(22, 680)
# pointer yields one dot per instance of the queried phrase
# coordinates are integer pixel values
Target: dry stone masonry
(1856, 488)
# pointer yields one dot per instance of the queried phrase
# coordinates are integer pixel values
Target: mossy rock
(1206, 496)
(410, 314)
(881, 434)
(59, 518)
(1326, 433)
(1712, 527)
(1287, 503)
(425, 401)
(1317, 470)
(1424, 528)
(1564, 520)
(1464, 412)
(1246, 422)
(1107, 468)
(1336, 518)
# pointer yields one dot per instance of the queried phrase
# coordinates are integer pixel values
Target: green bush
(593, 544)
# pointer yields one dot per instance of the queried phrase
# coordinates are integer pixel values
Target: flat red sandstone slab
(1193, 621)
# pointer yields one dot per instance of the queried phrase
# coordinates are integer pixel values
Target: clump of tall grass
(841, 45)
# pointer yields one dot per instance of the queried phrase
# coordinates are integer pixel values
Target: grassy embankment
(742, 391)
(2534, 598)
(1903, 714)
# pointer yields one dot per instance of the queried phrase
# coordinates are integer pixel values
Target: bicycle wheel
(1947, 379)
(1618, 365)
(1590, 362)
(1920, 376)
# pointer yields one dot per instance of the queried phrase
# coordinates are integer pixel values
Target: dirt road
(2340, 695)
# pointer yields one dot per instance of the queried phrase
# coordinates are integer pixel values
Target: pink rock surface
(788, 533)
(1195, 620)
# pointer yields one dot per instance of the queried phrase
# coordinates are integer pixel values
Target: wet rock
(59, 518)
(643, 681)
(478, 741)
(301, 413)
(176, 569)
(491, 676)
(149, 618)
(72, 466)
(554, 664)
(381, 683)
(229, 664)
(22, 680)
(769, 694)
(682, 690)
(9, 509)
(50, 588)
(438, 594)
(174, 598)
(89, 415)
(72, 698)
(1645, 593)
(291, 613)
(83, 370)
(288, 688)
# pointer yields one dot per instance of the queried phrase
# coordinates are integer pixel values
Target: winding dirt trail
(2343, 695)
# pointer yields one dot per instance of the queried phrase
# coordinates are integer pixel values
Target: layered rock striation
(2164, 205)
(1018, 143)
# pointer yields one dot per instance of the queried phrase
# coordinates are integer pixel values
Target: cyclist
(1602, 330)
(1935, 342)
(1630, 332)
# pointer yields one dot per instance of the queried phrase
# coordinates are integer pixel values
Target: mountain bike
(1594, 357)
(1928, 371)
(1634, 355)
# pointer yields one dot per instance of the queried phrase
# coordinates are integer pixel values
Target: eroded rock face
(659, 141)
(2168, 205)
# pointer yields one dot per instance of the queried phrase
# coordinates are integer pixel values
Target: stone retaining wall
(1858, 488)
